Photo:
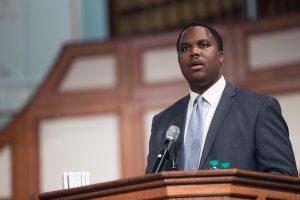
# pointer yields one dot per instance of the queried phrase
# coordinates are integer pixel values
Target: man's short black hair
(213, 31)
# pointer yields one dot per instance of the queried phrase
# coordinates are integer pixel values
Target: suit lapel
(179, 120)
(219, 116)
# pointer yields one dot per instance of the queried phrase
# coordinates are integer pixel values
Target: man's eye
(204, 45)
(184, 48)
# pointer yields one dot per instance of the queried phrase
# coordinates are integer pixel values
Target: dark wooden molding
(272, 79)
(241, 184)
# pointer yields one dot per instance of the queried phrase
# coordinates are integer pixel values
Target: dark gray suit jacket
(247, 130)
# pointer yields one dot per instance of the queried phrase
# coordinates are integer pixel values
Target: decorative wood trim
(48, 103)
(274, 79)
(5, 138)
(218, 184)
(141, 44)
(229, 56)
(73, 51)
(129, 141)
(19, 160)
(33, 120)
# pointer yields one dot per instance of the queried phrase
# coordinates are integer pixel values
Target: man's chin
(199, 79)
(202, 82)
(198, 82)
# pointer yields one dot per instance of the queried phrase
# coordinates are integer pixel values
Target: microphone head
(173, 132)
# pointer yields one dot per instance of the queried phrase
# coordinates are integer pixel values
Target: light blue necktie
(192, 144)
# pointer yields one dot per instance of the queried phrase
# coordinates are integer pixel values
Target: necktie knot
(198, 99)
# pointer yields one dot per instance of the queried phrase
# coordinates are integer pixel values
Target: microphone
(171, 136)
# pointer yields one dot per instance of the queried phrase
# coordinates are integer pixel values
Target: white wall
(84, 143)
(6, 172)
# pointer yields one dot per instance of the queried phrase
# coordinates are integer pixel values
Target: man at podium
(217, 120)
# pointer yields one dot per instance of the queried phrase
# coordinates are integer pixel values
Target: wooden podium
(205, 184)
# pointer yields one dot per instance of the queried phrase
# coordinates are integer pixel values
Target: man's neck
(202, 89)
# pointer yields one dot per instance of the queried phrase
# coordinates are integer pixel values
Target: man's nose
(196, 51)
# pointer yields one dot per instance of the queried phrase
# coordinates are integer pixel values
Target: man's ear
(221, 56)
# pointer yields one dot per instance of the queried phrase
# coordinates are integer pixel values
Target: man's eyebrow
(188, 42)
(184, 43)
(203, 40)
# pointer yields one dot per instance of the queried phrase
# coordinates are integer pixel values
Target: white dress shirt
(211, 98)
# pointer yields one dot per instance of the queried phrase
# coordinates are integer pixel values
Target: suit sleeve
(274, 151)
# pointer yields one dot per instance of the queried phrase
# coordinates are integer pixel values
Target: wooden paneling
(141, 90)
(90, 72)
(274, 79)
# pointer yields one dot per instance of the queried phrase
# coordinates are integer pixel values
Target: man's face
(199, 59)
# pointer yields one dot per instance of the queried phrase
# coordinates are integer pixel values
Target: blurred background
(80, 80)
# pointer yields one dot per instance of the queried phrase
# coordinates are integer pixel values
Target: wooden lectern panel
(204, 184)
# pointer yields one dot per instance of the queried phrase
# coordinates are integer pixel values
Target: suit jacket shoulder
(174, 107)
(173, 115)
(248, 131)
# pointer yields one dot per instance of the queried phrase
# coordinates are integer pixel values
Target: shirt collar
(212, 94)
